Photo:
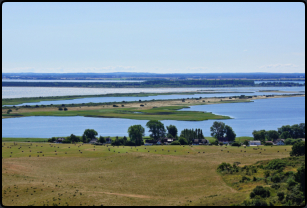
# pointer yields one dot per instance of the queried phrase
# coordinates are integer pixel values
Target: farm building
(279, 142)
(254, 143)
(200, 142)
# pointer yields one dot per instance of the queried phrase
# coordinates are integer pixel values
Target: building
(200, 142)
(224, 140)
(279, 142)
(93, 141)
(59, 140)
(149, 142)
(108, 140)
(254, 143)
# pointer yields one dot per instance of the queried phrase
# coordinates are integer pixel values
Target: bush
(275, 179)
(60, 108)
(236, 144)
(275, 186)
(115, 106)
(65, 109)
(244, 178)
(268, 144)
(281, 196)
(260, 191)
(182, 141)
(298, 149)
(175, 143)
(276, 164)
(259, 203)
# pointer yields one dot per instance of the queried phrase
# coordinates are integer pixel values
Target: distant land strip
(152, 83)
(17, 101)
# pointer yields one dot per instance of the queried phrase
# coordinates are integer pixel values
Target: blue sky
(153, 37)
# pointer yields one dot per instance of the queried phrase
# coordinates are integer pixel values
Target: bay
(267, 114)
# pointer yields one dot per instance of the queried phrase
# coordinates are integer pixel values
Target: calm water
(158, 97)
(63, 80)
(17, 92)
(299, 82)
(268, 114)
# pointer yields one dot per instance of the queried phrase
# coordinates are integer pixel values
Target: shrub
(244, 178)
(65, 109)
(236, 144)
(259, 203)
(175, 143)
(276, 164)
(182, 141)
(115, 106)
(275, 178)
(281, 195)
(298, 149)
(60, 108)
(275, 186)
(260, 191)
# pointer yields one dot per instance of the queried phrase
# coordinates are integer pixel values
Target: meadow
(84, 174)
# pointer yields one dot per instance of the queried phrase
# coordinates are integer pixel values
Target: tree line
(219, 130)
(287, 132)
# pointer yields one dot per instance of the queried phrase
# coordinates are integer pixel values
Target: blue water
(267, 114)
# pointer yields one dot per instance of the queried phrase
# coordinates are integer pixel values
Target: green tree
(285, 135)
(156, 128)
(101, 139)
(272, 135)
(73, 138)
(172, 131)
(218, 129)
(230, 134)
(259, 135)
(298, 149)
(136, 133)
(300, 177)
(297, 132)
(245, 142)
(182, 141)
(88, 135)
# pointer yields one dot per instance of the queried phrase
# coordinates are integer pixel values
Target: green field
(58, 174)
(159, 113)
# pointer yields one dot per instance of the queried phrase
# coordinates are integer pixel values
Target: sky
(153, 37)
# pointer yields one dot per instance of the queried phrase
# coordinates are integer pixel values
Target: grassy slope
(138, 177)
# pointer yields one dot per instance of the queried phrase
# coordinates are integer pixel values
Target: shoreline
(144, 110)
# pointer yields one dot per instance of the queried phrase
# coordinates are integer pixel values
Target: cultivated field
(59, 174)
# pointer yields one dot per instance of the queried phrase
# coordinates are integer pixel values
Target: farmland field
(59, 174)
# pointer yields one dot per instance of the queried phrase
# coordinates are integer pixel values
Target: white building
(254, 143)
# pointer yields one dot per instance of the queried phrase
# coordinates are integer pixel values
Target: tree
(285, 135)
(285, 129)
(88, 135)
(156, 128)
(172, 131)
(136, 133)
(102, 139)
(218, 129)
(182, 141)
(302, 127)
(230, 134)
(297, 132)
(272, 135)
(298, 149)
(73, 138)
(300, 177)
(245, 142)
(259, 135)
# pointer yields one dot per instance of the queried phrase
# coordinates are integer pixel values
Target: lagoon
(267, 114)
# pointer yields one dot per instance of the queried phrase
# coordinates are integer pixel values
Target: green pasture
(159, 113)
(83, 174)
